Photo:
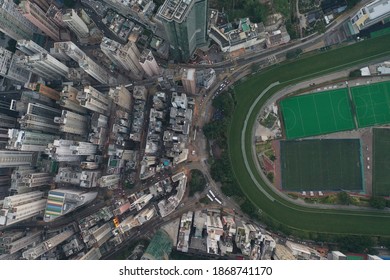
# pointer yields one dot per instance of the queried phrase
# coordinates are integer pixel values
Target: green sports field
(321, 165)
(372, 104)
(318, 113)
(381, 162)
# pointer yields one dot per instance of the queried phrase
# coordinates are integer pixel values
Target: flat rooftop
(175, 9)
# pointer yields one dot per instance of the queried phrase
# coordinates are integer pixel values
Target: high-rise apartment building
(68, 100)
(55, 15)
(45, 65)
(16, 158)
(13, 23)
(93, 100)
(124, 56)
(14, 243)
(63, 201)
(185, 23)
(188, 79)
(93, 254)
(75, 23)
(84, 179)
(69, 150)
(29, 47)
(47, 245)
(20, 207)
(40, 117)
(121, 96)
(37, 16)
(24, 140)
(72, 122)
(149, 63)
(17, 72)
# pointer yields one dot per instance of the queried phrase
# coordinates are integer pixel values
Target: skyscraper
(149, 63)
(29, 47)
(185, 23)
(45, 66)
(15, 158)
(124, 56)
(75, 23)
(188, 80)
(22, 206)
(33, 13)
(13, 23)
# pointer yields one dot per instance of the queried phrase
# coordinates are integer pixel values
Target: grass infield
(321, 165)
(381, 162)
(372, 103)
(316, 114)
(285, 212)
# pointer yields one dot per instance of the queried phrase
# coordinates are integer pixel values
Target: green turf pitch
(318, 113)
(321, 165)
(381, 162)
(372, 104)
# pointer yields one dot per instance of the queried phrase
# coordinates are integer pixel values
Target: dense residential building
(45, 65)
(40, 117)
(5, 60)
(13, 23)
(93, 100)
(55, 14)
(68, 100)
(20, 207)
(38, 17)
(121, 96)
(92, 254)
(185, 23)
(47, 245)
(16, 158)
(149, 63)
(23, 140)
(84, 179)
(29, 47)
(72, 122)
(16, 72)
(63, 201)
(13, 242)
(66, 50)
(69, 150)
(188, 79)
(124, 56)
(75, 23)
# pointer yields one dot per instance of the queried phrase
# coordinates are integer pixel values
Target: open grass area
(321, 165)
(372, 103)
(317, 113)
(381, 160)
(281, 210)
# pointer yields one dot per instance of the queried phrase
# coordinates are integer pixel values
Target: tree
(356, 243)
(197, 182)
(11, 45)
(377, 202)
(344, 198)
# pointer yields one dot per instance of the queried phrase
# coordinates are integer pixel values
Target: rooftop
(175, 9)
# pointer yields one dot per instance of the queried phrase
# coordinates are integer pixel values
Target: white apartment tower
(93, 100)
(45, 66)
(72, 122)
(21, 207)
(75, 23)
(13, 23)
(124, 56)
(24, 140)
(188, 80)
(29, 47)
(40, 117)
(149, 63)
(15, 158)
(69, 150)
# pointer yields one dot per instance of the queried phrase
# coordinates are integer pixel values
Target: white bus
(210, 197)
(211, 192)
(217, 200)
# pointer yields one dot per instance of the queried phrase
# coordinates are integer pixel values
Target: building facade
(185, 23)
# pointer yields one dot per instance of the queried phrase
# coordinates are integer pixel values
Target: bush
(197, 182)
(377, 202)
